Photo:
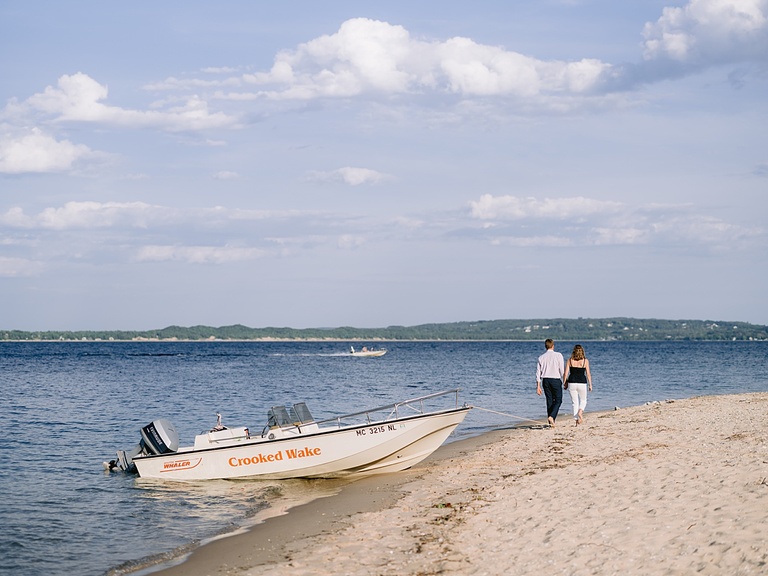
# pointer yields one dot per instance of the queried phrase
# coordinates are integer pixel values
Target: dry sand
(677, 487)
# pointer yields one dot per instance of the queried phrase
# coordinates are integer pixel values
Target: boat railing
(397, 410)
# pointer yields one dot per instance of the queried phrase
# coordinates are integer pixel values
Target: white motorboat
(293, 445)
(366, 352)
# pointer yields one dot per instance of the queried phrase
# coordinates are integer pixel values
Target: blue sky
(370, 164)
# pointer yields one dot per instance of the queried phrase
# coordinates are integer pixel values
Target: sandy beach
(674, 487)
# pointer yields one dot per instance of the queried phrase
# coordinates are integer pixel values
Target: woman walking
(577, 380)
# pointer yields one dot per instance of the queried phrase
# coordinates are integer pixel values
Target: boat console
(224, 435)
(285, 421)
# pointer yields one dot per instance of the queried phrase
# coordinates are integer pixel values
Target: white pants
(578, 397)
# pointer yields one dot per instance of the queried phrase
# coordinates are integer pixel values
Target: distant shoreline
(342, 340)
(520, 330)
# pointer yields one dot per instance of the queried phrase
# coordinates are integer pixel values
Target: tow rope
(538, 422)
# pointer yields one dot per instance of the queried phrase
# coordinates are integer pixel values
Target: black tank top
(577, 375)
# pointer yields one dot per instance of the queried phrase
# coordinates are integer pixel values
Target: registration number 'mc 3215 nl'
(378, 429)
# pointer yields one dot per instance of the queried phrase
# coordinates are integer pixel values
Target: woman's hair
(578, 352)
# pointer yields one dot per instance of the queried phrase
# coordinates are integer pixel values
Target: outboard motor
(157, 437)
(160, 437)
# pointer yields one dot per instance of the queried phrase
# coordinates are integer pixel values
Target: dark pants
(553, 392)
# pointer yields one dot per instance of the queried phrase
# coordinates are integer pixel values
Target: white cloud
(363, 55)
(710, 32)
(371, 56)
(409, 223)
(473, 69)
(219, 70)
(90, 214)
(704, 230)
(351, 241)
(226, 175)
(582, 221)
(38, 152)
(18, 267)
(533, 241)
(198, 254)
(85, 215)
(173, 83)
(617, 236)
(78, 98)
(219, 235)
(490, 207)
(351, 176)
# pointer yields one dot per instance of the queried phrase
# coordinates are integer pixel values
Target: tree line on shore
(607, 329)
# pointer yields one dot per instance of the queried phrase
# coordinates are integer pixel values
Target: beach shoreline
(297, 521)
(668, 487)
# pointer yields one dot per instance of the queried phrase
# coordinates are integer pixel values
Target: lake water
(68, 406)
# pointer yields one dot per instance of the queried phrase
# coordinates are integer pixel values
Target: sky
(323, 164)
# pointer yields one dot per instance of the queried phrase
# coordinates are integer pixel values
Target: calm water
(68, 406)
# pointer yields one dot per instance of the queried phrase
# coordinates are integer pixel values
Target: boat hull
(369, 353)
(386, 446)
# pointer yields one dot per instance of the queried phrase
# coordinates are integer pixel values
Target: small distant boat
(293, 445)
(366, 352)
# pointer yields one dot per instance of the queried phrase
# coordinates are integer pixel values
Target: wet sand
(675, 487)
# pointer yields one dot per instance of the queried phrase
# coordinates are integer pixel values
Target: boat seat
(277, 417)
(303, 416)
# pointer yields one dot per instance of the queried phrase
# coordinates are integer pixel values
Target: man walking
(549, 376)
